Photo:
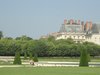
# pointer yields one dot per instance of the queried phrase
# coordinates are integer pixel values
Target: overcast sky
(40, 17)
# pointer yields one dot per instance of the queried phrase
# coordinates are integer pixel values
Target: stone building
(79, 31)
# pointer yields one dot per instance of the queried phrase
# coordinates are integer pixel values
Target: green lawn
(50, 71)
(66, 59)
(63, 59)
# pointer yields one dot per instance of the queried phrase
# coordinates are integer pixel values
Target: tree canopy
(45, 47)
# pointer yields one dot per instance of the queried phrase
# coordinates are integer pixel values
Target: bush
(17, 59)
(25, 55)
(35, 59)
(84, 57)
(89, 57)
(30, 56)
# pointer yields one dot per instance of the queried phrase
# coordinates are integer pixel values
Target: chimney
(65, 22)
(79, 22)
(71, 21)
(90, 25)
(87, 28)
(75, 21)
(82, 23)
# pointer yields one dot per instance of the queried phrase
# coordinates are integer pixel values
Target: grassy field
(63, 59)
(66, 59)
(50, 71)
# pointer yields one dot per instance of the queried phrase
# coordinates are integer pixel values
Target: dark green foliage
(84, 57)
(30, 56)
(24, 49)
(45, 47)
(1, 34)
(24, 37)
(89, 58)
(51, 38)
(25, 55)
(9, 38)
(35, 59)
(17, 59)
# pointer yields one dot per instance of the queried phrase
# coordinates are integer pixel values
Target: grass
(50, 71)
(66, 59)
(58, 59)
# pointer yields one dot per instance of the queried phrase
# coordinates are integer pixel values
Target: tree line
(44, 47)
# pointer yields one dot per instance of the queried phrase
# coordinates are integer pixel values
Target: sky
(35, 18)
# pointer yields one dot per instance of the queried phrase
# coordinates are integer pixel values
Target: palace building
(79, 31)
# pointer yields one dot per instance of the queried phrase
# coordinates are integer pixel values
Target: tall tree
(23, 37)
(51, 38)
(17, 59)
(84, 56)
(25, 50)
(35, 59)
(1, 34)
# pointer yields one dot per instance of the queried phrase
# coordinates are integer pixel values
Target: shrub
(17, 59)
(84, 57)
(35, 59)
(89, 57)
(25, 55)
(30, 56)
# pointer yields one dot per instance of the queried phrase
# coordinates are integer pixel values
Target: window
(74, 37)
(69, 36)
(78, 37)
(82, 37)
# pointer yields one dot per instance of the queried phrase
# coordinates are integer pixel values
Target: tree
(17, 59)
(9, 38)
(30, 56)
(30, 49)
(41, 48)
(51, 38)
(1, 34)
(35, 59)
(23, 37)
(25, 55)
(70, 41)
(51, 49)
(24, 50)
(89, 58)
(84, 56)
